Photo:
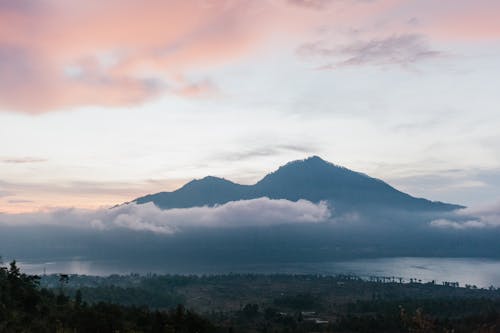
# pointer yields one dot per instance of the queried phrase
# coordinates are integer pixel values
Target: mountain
(312, 179)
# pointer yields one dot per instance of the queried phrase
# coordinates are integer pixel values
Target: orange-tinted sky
(99, 98)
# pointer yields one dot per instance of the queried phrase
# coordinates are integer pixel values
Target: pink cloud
(75, 53)
(62, 54)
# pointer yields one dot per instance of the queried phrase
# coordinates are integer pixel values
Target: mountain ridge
(313, 179)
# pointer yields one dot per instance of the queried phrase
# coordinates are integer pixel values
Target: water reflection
(480, 272)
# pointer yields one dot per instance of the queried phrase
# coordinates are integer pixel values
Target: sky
(103, 102)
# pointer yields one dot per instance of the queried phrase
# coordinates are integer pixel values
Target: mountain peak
(313, 167)
(208, 181)
(312, 161)
(313, 179)
(211, 179)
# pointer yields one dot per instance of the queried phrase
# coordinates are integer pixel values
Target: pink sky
(66, 54)
(173, 85)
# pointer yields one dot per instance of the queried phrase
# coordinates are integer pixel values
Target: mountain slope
(313, 179)
(208, 191)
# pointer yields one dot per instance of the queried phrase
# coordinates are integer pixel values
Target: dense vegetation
(240, 303)
(24, 307)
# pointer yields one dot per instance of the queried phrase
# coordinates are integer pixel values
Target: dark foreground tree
(25, 307)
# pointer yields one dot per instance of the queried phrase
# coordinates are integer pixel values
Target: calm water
(479, 272)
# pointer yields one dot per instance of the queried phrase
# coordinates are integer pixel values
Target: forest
(240, 303)
(25, 307)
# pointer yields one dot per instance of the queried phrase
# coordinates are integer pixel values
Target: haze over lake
(473, 271)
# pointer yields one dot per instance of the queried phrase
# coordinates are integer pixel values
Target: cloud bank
(250, 231)
(487, 216)
(148, 217)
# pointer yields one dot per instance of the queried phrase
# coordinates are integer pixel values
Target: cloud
(445, 223)
(315, 4)
(134, 50)
(148, 217)
(46, 195)
(18, 5)
(473, 186)
(23, 160)
(269, 150)
(402, 50)
(131, 53)
(203, 88)
(463, 20)
(5, 193)
(26, 73)
(19, 201)
(252, 231)
(486, 216)
(318, 4)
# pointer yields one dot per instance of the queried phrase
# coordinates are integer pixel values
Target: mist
(247, 231)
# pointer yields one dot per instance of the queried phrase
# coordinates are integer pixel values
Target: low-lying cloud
(254, 231)
(487, 216)
(450, 224)
(148, 217)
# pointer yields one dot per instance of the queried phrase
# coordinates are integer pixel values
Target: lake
(475, 271)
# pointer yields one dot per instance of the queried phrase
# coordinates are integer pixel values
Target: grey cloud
(148, 217)
(298, 148)
(267, 151)
(471, 186)
(20, 5)
(315, 4)
(201, 88)
(486, 216)
(91, 72)
(318, 4)
(18, 201)
(416, 126)
(249, 154)
(5, 193)
(403, 50)
(89, 187)
(23, 160)
(413, 21)
(16, 64)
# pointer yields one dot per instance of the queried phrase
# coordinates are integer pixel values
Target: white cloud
(148, 217)
(486, 216)
(446, 223)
